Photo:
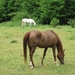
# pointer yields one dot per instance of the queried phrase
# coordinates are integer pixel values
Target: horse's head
(60, 56)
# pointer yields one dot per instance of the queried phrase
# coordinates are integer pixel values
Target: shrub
(72, 22)
(72, 36)
(13, 41)
(54, 22)
(20, 16)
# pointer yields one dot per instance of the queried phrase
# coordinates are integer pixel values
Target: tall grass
(11, 52)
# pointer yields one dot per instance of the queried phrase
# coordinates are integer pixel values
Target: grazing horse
(24, 21)
(44, 40)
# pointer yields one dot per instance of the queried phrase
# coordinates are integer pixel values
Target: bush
(54, 22)
(72, 22)
(20, 15)
(13, 41)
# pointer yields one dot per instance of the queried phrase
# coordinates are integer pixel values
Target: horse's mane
(59, 44)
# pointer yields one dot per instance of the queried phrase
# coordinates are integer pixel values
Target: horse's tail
(25, 41)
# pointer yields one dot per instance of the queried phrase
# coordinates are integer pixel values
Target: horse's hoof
(56, 63)
(41, 64)
(31, 67)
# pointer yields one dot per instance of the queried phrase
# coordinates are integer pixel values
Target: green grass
(11, 52)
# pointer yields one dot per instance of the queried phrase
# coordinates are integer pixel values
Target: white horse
(30, 21)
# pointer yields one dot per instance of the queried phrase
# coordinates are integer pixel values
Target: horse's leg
(25, 24)
(22, 24)
(30, 24)
(31, 57)
(29, 52)
(54, 54)
(30, 48)
(43, 55)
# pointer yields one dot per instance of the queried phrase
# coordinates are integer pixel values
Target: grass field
(11, 52)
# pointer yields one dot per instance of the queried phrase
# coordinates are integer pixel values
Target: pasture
(11, 52)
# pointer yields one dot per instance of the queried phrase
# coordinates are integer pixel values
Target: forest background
(54, 12)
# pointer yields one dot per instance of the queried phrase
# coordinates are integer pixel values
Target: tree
(67, 12)
(42, 11)
(45, 11)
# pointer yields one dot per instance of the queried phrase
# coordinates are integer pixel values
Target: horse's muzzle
(62, 62)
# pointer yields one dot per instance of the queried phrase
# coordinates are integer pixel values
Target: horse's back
(28, 20)
(35, 34)
(47, 34)
(50, 34)
(34, 37)
(50, 37)
(43, 39)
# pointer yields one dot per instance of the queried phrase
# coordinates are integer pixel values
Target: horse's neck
(34, 23)
(59, 46)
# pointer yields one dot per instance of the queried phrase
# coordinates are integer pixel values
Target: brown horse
(43, 40)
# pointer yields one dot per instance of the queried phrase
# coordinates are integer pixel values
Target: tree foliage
(43, 11)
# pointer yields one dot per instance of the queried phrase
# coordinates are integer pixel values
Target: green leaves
(42, 11)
